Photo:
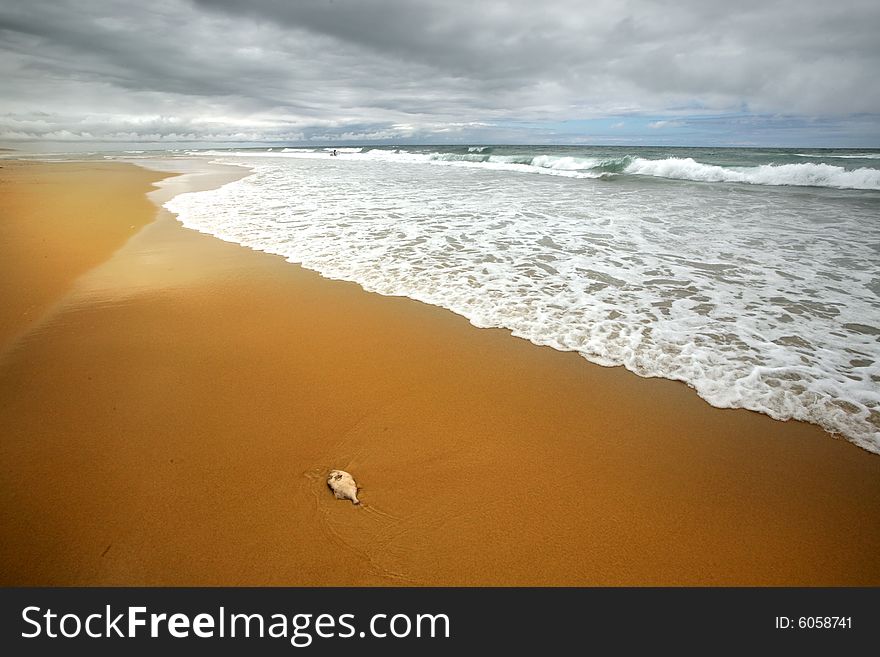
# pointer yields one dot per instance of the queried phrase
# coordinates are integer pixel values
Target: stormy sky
(751, 72)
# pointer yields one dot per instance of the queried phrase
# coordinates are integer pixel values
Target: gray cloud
(399, 69)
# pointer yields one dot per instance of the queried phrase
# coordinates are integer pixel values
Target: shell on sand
(343, 485)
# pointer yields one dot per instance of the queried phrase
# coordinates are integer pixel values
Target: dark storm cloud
(398, 69)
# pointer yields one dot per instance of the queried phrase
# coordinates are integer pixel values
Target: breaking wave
(806, 174)
(848, 156)
(801, 174)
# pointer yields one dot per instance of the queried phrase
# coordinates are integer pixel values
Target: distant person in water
(334, 152)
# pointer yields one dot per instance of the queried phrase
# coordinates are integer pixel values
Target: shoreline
(225, 382)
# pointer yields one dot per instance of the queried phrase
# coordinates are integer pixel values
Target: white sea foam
(767, 304)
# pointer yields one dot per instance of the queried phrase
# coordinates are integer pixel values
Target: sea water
(753, 275)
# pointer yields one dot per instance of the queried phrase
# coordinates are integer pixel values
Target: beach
(170, 405)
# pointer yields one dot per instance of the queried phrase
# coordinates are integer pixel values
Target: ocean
(752, 275)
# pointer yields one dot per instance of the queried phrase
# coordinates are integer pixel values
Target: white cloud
(656, 125)
(392, 69)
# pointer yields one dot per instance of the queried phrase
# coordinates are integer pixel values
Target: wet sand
(59, 221)
(172, 403)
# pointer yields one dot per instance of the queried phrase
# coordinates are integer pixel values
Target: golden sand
(169, 411)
